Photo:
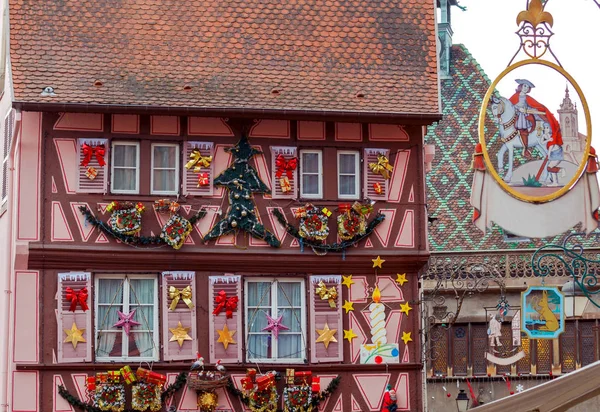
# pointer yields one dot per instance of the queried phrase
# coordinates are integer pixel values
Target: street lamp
(575, 299)
(462, 401)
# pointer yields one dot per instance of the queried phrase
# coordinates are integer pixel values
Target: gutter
(333, 115)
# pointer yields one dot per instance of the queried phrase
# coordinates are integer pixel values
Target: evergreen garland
(78, 403)
(129, 239)
(334, 247)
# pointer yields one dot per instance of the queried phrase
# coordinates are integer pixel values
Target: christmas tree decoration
(326, 335)
(378, 262)
(347, 281)
(401, 278)
(241, 181)
(77, 297)
(203, 180)
(128, 376)
(313, 223)
(207, 401)
(378, 188)
(126, 321)
(184, 294)
(74, 335)
(226, 336)
(406, 337)
(382, 166)
(327, 294)
(227, 303)
(166, 206)
(274, 325)
(348, 306)
(405, 308)
(349, 334)
(175, 231)
(146, 397)
(149, 376)
(197, 161)
(89, 151)
(180, 334)
(126, 217)
(91, 172)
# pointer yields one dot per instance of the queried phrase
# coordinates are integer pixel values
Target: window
(126, 294)
(125, 167)
(311, 170)
(348, 179)
(165, 167)
(283, 298)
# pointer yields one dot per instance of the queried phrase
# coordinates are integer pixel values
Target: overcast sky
(487, 28)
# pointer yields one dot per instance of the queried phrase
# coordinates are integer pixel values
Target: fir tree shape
(241, 180)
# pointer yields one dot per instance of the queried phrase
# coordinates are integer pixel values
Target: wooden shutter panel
(232, 285)
(288, 153)
(322, 313)
(372, 178)
(100, 183)
(182, 313)
(83, 319)
(9, 121)
(190, 178)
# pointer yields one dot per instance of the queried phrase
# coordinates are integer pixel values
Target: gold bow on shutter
(176, 294)
(198, 161)
(382, 167)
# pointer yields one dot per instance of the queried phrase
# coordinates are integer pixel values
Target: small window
(165, 167)
(311, 170)
(126, 294)
(125, 167)
(348, 179)
(275, 297)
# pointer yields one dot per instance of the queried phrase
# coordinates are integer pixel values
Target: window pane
(347, 185)
(125, 155)
(292, 318)
(257, 320)
(347, 163)
(259, 294)
(288, 294)
(259, 346)
(124, 179)
(110, 291)
(109, 344)
(165, 156)
(310, 163)
(289, 346)
(164, 181)
(140, 344)
(141, 291)
(310, 184)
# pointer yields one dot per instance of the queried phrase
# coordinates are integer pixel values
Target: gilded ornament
(74, 335)
(180, 334)
(326, 335)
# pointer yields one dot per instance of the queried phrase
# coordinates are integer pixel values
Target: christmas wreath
(110, 397)
(126, 218)
(175, 231)
(297, 398)
(352, 220)
(313, 222)
(146, 396)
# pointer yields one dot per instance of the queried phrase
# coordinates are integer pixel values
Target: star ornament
(274, 326)
(401, 278)
(180, 334)
(406, 337)
(349, 334)
(520, 388)
(405, 308)
(74, 335)
(378, 262)
(126, 321)
(326, 335)
(348, 306)
(226, 336)
(347, 281)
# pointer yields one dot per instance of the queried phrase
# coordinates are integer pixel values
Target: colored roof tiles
(319, 54)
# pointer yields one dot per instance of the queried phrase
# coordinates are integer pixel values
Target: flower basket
(200, 382)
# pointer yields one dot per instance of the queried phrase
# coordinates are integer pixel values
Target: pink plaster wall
(26, 336)
(25, 396)
(125, 123)
(80, 121)
(165, 125)
(28, 178)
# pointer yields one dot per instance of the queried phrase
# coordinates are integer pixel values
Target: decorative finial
(535, 14)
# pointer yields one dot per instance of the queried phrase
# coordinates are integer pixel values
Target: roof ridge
(474, 60)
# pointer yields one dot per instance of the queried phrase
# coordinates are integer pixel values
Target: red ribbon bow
(75, 297)
(287, 166)
(223, 302)
(89, 151)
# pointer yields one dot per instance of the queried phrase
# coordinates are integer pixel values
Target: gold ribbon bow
(198, 161)
(176, 294)
(327, 294)
(382, 167)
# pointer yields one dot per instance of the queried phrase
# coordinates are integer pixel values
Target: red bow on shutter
(287, 166)
(89, 151)
(223, 302)
(75, 297)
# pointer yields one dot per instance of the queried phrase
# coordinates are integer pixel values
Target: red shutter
(100, 183)
(322, 313)
(182, 313)
(190, 178)
(82, 319)
(288, 153)
(372, 178)
(232, 285)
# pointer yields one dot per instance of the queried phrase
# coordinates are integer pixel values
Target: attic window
(276, 91)
(98, 83)
(48, 92)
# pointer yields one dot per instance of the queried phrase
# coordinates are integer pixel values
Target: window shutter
(232, 286)
(100, 182)
(322, 313)
(8, 132)
(182, 313)
(288, 153)
(190, 178)
(372, 178)
(83, 319)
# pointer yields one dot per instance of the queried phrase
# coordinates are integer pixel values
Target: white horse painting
(505, 115)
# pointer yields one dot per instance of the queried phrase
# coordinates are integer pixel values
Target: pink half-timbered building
(127, 91)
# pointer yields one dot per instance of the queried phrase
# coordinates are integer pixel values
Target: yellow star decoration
(401, 279)
(349, 334)
(226, 336)
(348, 306)
(326, 335)
(347, 280)
(74, 335)
(378, 262)
(180, 334)
(406, 337)
(405, 308)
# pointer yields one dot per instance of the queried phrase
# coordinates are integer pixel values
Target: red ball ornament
(448, 394)
(512, 392)
(378, 359)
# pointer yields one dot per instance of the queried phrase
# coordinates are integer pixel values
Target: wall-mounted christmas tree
(242, 181)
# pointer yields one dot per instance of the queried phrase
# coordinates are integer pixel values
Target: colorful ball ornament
(208, 401)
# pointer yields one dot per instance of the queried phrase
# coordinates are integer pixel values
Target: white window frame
(125, 342)
(164, 192)
(303, 316)
(137, 168)
(318, 195)
(356, 174)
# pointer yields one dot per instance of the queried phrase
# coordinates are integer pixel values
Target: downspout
(10, 250)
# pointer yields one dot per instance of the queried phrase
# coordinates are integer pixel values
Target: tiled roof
(232, 53)
(449, 183)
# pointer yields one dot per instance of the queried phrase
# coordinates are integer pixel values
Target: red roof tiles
(318, 53)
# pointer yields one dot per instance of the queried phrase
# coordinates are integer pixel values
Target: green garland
(167, 393)
(128, 239)
(335, 247)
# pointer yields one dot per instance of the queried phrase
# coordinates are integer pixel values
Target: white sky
(488, 29)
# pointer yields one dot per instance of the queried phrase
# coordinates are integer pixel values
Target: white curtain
(110, 299)
(141, 298)
(347, 175)
(125, 165)
(259, 303)
(164, 168)
(289, 303)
